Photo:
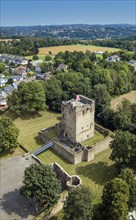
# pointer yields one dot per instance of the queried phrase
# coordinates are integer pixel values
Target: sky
(44, 12)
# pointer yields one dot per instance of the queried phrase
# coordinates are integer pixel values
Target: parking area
(13, 206)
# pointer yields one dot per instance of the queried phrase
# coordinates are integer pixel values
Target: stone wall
(101, 130)
(102, 145)
(68, 182)
(72, 157)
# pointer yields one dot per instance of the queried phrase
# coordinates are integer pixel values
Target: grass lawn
(41, 57)
(97, 137)
(94, 174)
(30, 125)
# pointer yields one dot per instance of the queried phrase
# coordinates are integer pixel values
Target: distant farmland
(71, 48)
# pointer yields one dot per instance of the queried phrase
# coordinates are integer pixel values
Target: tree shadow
(38, 141)
(30, 115)
(25, 116)
(99, 172)
(13, 203)
(59, 118)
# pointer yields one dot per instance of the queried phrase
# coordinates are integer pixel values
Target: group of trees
(26, 46)
(123, 148)
(123, 44)
(123, 118)
(29, 97)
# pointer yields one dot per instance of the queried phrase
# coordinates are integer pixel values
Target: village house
(113, 58)
(47, 76)
(3, 82)
(2, 75)
(3, 95)
(17, 60)
(62, 67)
(132, 63)
(21, 70)
(36, 63)
(9, 89)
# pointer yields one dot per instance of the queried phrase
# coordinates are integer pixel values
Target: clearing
(71, 48)
(115, 102)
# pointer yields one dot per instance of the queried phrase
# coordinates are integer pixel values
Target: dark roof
(9, 89)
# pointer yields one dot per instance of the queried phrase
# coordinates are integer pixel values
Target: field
(71, 48)
(8, 39)
(131, 96)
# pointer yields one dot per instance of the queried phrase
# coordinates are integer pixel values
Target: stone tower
(77, 122)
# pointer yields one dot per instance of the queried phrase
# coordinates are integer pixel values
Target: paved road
(13, 206)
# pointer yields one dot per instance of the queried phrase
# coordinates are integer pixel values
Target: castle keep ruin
(77, 122)
(76, 126)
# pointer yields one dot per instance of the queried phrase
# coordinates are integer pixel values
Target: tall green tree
(8, 135)
(102, 97)
(28, 97)
(123, 148)
(78, 205)
(115, 200)
(128, 176)
(41, 184)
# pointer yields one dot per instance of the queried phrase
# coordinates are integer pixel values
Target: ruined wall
(68, 182)
(72, 157)
(61, 174)
(102, 145)
(102, 130)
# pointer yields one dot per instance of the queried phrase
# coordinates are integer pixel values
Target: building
(62, 67)
(77, 122)
(113, 58)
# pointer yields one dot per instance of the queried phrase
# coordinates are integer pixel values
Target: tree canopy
(123, 148)
(78, 205)
(41, 184)
(128, 176)
(115, 200)
(29, 97)
(8, 135)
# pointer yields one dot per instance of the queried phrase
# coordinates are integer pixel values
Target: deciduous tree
(78, 205)
(8, 135)
(41, 184)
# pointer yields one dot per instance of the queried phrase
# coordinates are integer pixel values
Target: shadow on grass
(12, 203)
(25, 116)
(6, 153)
(59, 118)
(38, 141)
(99, 172)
